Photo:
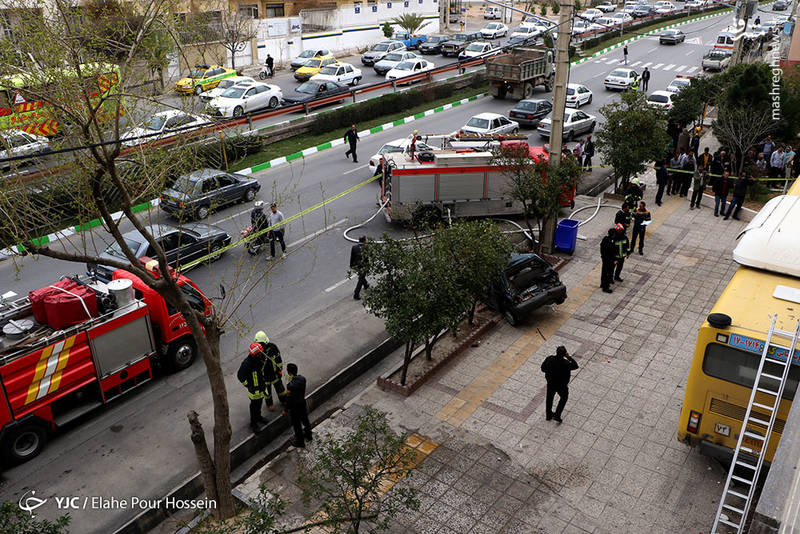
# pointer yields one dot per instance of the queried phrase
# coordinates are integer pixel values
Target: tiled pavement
(614, 465)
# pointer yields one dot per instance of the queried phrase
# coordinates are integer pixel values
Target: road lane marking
(338, 284)
(690, 52)
(356, 169)
(679, 68)
(691, 69)
(669, 67)
(658, 65)
(634, 64)
(647, 64)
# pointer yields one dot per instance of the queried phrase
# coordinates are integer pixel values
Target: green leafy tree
(543, 10)
(578, 5)
(411, 22)
(556, 7)
(17, 521)
(627, 153)
(387, 29)
(349, 475)
(688, 104)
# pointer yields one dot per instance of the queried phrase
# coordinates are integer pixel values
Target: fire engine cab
(76, 344)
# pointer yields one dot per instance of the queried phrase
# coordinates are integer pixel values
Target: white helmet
(258, 203)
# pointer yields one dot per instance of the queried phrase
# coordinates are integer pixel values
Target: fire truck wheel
(181, 354)
(24, 443)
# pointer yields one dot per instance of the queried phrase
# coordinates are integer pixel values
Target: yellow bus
(21, 111)
(731, 340)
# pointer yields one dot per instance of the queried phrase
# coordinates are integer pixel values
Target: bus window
(740, 367)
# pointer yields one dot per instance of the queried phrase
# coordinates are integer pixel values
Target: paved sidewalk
(614, 465)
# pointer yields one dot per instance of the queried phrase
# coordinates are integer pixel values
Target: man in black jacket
(662, 180)
(251, 375)
(588, 153)
(640, 217)
(623, 216)
(296, 406)
(556, 371)
(621, 251)
(739, 193)
(645, 79)
(607, 255)
(351, 137)
(357, 265)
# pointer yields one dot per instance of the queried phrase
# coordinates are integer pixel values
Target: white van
(492, 13)
(726, 39)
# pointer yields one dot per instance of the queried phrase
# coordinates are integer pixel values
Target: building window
(249, 11)
(274, 10)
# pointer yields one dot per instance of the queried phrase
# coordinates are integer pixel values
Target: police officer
(608, 255)
(296, 406)
(621, 251)
(557, 371)
(273, 368)
(251, 375)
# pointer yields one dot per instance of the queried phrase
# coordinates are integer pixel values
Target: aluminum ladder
(10, 309)
(734, 505)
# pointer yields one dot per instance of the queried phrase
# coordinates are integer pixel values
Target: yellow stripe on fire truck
(54, 359)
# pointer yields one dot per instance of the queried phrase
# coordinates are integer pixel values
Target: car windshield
(197, 74)
(492, 26)
(524, 29)
(184, 185)
(328, 70)
(381, 47)
(659, 99)
(670, 32)
(234, 92)
(679, 83)
(527, 106)
(392, 57)
(405, 65)
(116, 250)
(570, 91)
(435, 39)
(156, 123)
(314, 63)
(477, 122)
(385, 149)
(619, 73)
(475, 47)
(459, 37)
(306, 53)
(310, 88)
(224, 84)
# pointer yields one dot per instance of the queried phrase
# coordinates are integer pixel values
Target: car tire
(24, 442)
(238, 111)
(590, 100)
(249, 195)
(202, 212)
(591, 128)
(181, 354)
(515, 131)
(273, 102)
(570, 135)
(215, 247)
(510, 317)
(355, 81)
(198, 89)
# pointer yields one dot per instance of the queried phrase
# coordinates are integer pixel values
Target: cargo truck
(517, 73)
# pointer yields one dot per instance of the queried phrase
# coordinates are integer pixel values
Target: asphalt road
(139, 445)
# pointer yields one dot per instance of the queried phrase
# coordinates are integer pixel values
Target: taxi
(312, 67)
(203, 78)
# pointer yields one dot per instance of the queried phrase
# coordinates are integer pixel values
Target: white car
(14, 143)
(630, 8)
(578, 95)
(660, 99)
(224, 84)
(244, 98)
(602, 24)
(392, 60)
(621, 78)
(396, 146)
(410, 67)
(343, 73)
(494, 30)
(694, 4)
(678, 83)
(576, 122)
(163, 124)
(525, 31)
(591, 14)
(579, 26)
(478, 48)
(607, 7)
(620, 18)
(490, 123)
(663, 7)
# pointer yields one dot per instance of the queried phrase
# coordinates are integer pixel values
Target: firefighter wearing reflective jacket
(273, 369)
(621, 251)
(251, 375)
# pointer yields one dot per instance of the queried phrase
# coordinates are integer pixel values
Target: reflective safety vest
(251, 375)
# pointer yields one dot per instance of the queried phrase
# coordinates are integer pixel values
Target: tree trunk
(406, 361)
(207, 469)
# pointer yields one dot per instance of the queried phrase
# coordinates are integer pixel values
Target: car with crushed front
(527, 283)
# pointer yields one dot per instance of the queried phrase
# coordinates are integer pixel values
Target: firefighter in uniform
(251, 375)
(273, 369)
(621, 246)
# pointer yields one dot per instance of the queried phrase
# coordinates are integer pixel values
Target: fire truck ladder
(735, 504)
(14, 308)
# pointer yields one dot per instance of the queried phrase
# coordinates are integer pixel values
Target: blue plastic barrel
(566, 235)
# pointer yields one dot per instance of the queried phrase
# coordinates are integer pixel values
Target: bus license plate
(725, 430)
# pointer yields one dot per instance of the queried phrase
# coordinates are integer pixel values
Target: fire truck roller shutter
(121, 346)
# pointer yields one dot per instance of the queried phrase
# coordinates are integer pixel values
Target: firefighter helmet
(619, 227)
(255, 348)
(261, 337)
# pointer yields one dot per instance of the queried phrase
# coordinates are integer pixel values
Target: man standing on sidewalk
(588, 153)
(739, 193)
(607, 255)
(776, 162)
(699, 181)
(351, 137)
(640, 217)
(621, 251)
(662, 180)
(296, 407)
(357, 265)
(276, 217)
(645, 79)
(557, 371)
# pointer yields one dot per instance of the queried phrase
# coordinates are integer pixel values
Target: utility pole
(743, 11)
(444, 15)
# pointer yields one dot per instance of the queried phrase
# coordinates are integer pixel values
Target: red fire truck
(77, 344)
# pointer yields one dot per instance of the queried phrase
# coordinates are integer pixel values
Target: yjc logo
(29, 504)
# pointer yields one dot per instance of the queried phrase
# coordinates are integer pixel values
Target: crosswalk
(667, 67)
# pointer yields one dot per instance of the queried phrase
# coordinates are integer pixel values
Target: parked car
(478, 48)
(579, 26)
(660, 99)
(621, 79)
(14, 143)
(492, 12)
(376, 53)
(716, 60)
(409, 67)
(207, 96)
(621, 18)
(312, 89)
(395, 146)
(181, 245)
(527, 283)
(305, 55)
(672, 36)
(780, 5)
(679, 83)
(663, 7)
(459, 42)
(344, 73)
(411, 41)
(245, 97)
(490, 123)
(163, 124)
(203, 78)
(578, 95)
(390, 61)
(494, 30)
(642, 11)
(529, 112)
(312, 67)
(526, 32)
(433, 45)
(602, 24)
(576, 122)
(520, 41)
(694, 4)
(606, 7)
(195, 195)
(591, 14)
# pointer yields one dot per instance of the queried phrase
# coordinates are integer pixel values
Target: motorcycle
(254, 246)
(265, 73)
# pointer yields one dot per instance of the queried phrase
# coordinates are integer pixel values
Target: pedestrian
(625, 53)
(689, 168)
(761, 165)
(758, 20)
(662, 179)
(704, 161)
(788, 162)
(699, 181)
(674, 175)
(673, 131)
(412, 147)
(581, 146)
(251, 375)
(645, 79)
(715, 168)
(641, 218)
(588, 153)
(358, 265)
(296, 406)
(767, 147)
(351, 137)
(694, 144)
(635, 84)
(275, 218)
(720, 188)
(683, 141)
(633, 193)
(739, 193)
(273, 369)
(776, 163)
(607, 256)
(623, 216)
(557, 370)
(621, 250)
(270, 62)
(258, 222)
(726, 161)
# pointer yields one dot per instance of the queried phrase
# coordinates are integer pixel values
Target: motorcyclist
(270, 62)
(258, 221)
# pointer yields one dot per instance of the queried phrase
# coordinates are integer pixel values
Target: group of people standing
(615, 247)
